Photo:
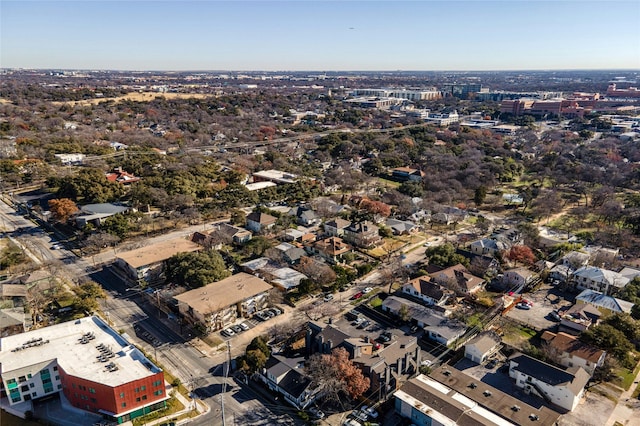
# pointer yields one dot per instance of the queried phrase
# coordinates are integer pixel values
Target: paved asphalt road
(130, 313)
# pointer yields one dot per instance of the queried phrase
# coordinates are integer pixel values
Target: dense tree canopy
(256, 355)
(196, 269)
(631, 293)
(614, 341)
(445, 256)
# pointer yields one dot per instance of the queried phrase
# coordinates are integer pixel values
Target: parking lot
(498, 377)
(544, 301)
(247, 324)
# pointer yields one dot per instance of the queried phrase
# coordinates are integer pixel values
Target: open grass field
(137, 97)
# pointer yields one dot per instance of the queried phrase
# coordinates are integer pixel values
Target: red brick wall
(79, 392)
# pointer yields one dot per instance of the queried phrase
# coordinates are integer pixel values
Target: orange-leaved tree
(521, 253)
(62, 208)
(337, 375)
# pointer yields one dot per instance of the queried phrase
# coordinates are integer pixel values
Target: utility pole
(224, 384)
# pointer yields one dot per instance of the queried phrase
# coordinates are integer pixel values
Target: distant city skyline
(320, 35)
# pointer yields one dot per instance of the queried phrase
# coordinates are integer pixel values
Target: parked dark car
(364, 324)
(385, 337)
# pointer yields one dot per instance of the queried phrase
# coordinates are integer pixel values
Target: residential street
(144, 324)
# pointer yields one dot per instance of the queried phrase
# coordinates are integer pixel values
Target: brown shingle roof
(262, 218)
(13, 290)
(461, 276)
(427, 288)
(159, 252)
(221, 294)
(332, 246)
(338, 223)
(564, 342)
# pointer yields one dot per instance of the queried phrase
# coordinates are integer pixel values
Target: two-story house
(386, 366)
(458, 279)
(518, 278)
(260, 222)
(500, 240)
(286, 377)
(427, 291)
(482, 346)
(231, 234)
(363, 234)
(568, 351)
(604, 303)
(286, 253)
(335, 227)
(390, 366)
(446, 331)
(564, 388)
(331, 249)
(487, 247)
(401, 227)
(598, 279)
(305, 216)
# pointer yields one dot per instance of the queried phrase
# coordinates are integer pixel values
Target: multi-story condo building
(95, 368)
(411, 95)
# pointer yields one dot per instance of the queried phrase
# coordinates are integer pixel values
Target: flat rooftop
(63, 343)
(159, 252)
(276, 176)
(468, 401)
(229, 291)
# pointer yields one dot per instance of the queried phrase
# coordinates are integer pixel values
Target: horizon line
(320, 71)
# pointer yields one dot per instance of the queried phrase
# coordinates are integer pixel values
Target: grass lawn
(173, 406)
(636, 392)
(474, 320)
(392, 244)
(375, 302)
(212, 340)
(526, 332)
(516, 335)
(627, 377)
(388, 182)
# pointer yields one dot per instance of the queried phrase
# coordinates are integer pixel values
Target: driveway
(58, 411)
(593, 410)
(545, 300)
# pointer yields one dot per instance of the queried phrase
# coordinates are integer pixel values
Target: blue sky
(320, 35)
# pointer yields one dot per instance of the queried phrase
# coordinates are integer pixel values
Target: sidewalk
(627, 411)
(201, 408)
